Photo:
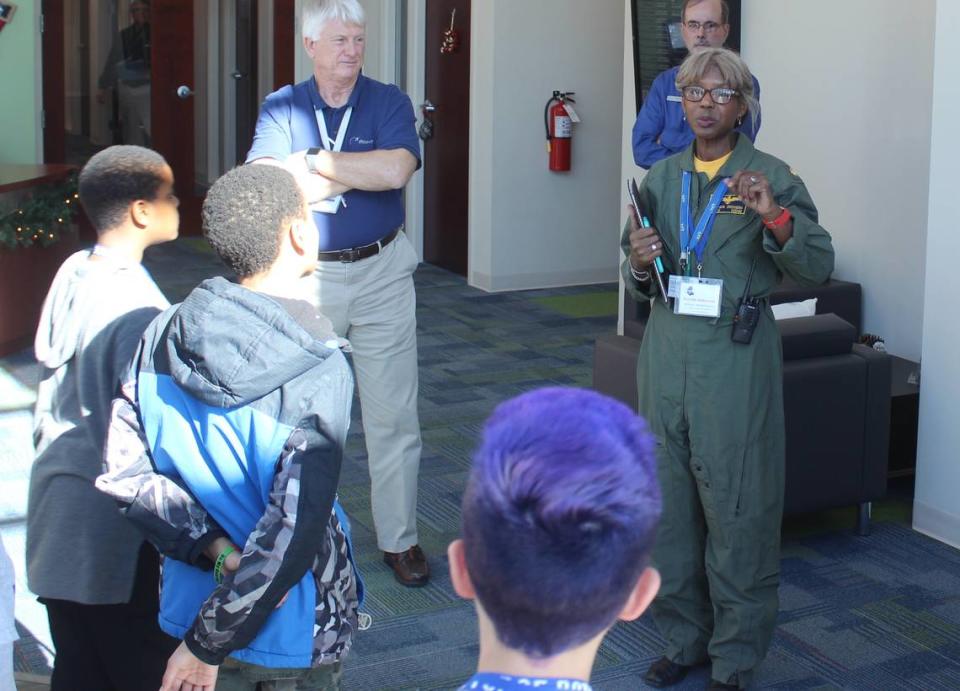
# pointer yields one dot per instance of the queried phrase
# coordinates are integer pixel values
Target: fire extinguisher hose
(546, 114)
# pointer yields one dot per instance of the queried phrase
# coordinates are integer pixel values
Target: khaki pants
(372, 303)
(135, 113)
(240, 676)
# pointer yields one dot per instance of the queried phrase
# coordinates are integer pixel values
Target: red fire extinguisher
(559, 125)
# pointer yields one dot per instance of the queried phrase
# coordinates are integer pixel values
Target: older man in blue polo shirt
(352, 144)
(661, 129)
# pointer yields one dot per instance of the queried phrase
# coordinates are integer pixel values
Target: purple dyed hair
(559, 516)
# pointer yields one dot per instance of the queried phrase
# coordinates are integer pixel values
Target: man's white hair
(316, 13)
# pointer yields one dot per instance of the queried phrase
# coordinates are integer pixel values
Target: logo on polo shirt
(361, 141)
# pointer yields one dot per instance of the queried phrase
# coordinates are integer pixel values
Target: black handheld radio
(748, 313)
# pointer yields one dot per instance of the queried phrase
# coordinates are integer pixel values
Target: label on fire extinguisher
(562, 127)
(571, 112)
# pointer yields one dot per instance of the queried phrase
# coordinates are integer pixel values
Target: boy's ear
(459, 575)
(140, 213)
(298, 236)
(642, 594)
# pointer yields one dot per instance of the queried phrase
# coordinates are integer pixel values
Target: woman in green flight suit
(720, 211)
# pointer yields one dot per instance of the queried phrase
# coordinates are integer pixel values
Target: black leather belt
(354, 254)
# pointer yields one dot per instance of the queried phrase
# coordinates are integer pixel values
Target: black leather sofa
(836, 397)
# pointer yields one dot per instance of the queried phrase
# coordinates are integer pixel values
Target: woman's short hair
(559, 516)
(316, 13)
(733, 70)
(245, 213)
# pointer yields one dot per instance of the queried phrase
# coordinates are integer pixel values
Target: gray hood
(74, 307)
(227, 345)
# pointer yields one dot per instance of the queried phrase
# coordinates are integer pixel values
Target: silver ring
(753, 179)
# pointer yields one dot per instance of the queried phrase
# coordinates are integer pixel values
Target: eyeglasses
(720, 95)
(708, 27)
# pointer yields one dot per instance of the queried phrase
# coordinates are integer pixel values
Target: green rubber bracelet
(218, 564)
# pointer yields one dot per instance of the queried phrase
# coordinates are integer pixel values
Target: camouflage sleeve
(286, 542)
(167, 514)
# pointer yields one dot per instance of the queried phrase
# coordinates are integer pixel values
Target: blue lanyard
(704, 227)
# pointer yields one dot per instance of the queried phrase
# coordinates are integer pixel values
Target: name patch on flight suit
(732, 204)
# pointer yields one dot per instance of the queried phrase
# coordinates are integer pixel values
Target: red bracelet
(780, 221)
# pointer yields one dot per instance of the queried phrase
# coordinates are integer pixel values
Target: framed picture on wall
(7, 10)
(658, 40)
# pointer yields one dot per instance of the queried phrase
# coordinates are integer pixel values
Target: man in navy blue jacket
(660, 129)
(231, 424)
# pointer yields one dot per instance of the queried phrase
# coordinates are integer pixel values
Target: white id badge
(673, 289)
(328, 206)
(699, 297)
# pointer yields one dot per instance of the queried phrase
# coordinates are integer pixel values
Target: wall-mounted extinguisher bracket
(558, 119)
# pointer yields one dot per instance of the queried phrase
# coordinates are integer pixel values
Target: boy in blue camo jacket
(231, 424)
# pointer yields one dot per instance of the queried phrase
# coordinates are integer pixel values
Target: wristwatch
(311, 158)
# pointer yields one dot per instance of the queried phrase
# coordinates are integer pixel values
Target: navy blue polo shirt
(382, 118)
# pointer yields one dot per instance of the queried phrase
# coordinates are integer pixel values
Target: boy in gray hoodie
(89, 565)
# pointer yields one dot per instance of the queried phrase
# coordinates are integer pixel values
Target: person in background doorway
(127, 69)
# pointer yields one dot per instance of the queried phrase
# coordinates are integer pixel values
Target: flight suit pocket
(720, 485)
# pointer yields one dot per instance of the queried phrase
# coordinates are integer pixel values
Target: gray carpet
(876, 612)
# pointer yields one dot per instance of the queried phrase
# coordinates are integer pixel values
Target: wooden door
(446, 154)
(171, 106)
(171, 130)
(285, 42)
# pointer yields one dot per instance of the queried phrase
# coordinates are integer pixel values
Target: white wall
(936, 509)
(21, 139)
(846, 94)
(530, 227)
(627, 167)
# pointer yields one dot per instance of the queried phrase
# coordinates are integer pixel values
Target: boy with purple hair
(558, 520)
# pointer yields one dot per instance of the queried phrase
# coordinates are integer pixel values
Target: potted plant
(37, 233)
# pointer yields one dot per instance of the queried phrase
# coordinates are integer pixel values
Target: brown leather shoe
(410, 568)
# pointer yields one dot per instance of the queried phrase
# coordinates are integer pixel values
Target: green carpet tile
(602, 304)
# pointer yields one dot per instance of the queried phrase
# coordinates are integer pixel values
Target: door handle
(184, 92)
(237, 74)
(428, 107)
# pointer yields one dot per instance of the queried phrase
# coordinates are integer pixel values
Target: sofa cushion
(817, 336)
(840, 297)
(792, 310)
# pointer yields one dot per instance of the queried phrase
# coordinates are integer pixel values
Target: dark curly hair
(244, 213)
(115, 178)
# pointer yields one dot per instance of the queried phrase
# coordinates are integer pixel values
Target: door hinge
(43, 119)
(41, 23)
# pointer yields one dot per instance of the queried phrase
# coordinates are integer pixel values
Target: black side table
(904, 411)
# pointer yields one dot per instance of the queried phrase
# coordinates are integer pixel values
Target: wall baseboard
(533, 281)
(937, 524)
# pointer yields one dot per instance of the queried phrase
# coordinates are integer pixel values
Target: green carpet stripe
(580, 306)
